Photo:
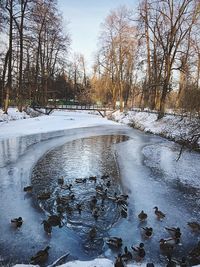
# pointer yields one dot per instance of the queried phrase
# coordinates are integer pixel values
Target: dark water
(83, 158)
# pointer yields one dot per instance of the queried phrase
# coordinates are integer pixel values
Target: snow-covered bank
(172, 127)
(94, 263)
(17, 135)
(58, 120)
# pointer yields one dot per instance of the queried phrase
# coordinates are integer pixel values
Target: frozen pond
(140, 165)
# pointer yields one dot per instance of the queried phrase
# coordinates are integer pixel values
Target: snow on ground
(13, 114)
(58, 120)
(94, 263)
(174, 127)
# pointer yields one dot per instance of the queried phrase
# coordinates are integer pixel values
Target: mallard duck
(47, 227)
(115, 242)
(123, 211)
(167, 245)
(93, 178)
(171, 263)
(195, 226)
(142, 216)
(183, 262)
(121, 201)
(140, 252)
(60, 209)
(195, 252)
(65, 199)
(159, 214)
(54, 220)
(44, 196)
(175, 232)
(66, 187)
(104, 176)
(108, 183)
(148, 231)
(80, 180)
(93, 202)
(119, 261)
(61, 181)
(17, 222)
(79, 207)
(99, 188)
(95, 213)
(41, 256)
(127, 255)
(92, 233)
(28, 188)
(124, 196)
(68, 209)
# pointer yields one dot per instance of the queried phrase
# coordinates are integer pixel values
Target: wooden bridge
(49, 108)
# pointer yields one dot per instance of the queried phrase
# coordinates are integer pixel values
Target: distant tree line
(148, 58)
(152, 60)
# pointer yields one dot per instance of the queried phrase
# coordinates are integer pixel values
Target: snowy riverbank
(175, 128)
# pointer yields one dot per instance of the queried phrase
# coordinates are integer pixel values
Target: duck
(140, 251)
(183, 262)
(99, 188)
(68, 209)
(121, 201)
(60, 209)
(119, 261)
(44, 196)
(47, 227)
(170, 263)
(64, 199)
(61, 181)
(195, 226)
(93, 202)
(124, 196)
(175, 232)
(108, 183)
(92, 233)
(28, 189)
(159, 214)
(148, 231)
(123, 211)
(95, 213)
(40, 257)
(167, 245)
(142, 216)
(79, 207)
(115, 242)
(54, 220)
(127, 254)
(93, 178)
(67, 187)
(195, 252)
(17, 222)
(80, 180)
(104, 176)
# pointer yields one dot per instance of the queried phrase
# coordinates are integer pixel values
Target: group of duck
(63, 203)
(166, 245)
(102, 191)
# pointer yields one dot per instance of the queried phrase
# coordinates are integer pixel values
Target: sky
(83, 19)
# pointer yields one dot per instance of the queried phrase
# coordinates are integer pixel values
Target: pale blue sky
(85, 17)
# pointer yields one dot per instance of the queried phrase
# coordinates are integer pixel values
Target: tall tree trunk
(8, 86)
